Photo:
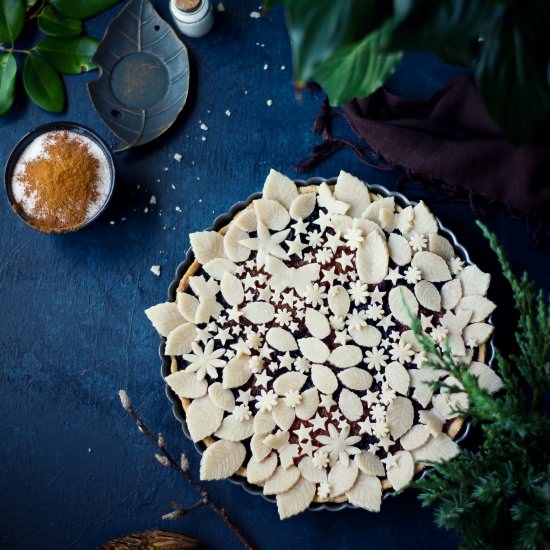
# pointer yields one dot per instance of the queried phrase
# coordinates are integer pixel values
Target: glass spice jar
(193, 18)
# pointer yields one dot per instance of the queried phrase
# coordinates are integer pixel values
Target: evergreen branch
(499, 495)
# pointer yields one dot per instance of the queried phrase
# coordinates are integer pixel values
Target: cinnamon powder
(59, 187)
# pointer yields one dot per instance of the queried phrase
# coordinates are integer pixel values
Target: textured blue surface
(74, 470)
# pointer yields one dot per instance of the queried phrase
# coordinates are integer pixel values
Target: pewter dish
(144, 75)
(222, 221)
(28, 138)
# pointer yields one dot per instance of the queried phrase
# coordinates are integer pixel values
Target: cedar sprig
(498, 496)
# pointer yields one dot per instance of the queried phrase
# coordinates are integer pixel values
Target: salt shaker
(192, 17)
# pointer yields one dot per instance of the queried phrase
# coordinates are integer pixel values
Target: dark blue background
(74, 470)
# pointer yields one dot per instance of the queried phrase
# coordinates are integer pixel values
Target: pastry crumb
(178, 157)
(220, 6)
(204, 127)
(153, 199)
(269, 102)
(155, 270)
(227, 112)
(255, 14)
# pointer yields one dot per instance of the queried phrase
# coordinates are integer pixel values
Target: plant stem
(205, 500)
(14, 50)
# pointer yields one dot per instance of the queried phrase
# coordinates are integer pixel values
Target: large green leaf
(357, 71)
(512, 71)
(53, 23)
(43, 84)
(8, 70)
(12, 18)
(318, 29)
(82, 9)
(449, 28)
(69, 55)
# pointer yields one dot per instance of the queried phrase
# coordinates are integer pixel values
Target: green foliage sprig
(63, 50)
(351, 47)
(499, 495)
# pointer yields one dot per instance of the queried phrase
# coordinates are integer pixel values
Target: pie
(291, 348)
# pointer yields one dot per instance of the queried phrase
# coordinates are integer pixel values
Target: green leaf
(43, 84)
(449, 28)
(52, 23)
(82, 9)
(357, 71)
(318, 29)
(12, 18)
(512, 71)
(8, 70)
(69, 55)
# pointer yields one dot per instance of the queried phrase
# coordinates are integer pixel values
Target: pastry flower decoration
(291, 348)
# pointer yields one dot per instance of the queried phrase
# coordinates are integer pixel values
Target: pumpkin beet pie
(291, 348)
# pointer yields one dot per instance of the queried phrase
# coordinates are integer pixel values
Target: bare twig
(166, 459)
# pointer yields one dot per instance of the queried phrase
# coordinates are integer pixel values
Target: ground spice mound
(60, 180)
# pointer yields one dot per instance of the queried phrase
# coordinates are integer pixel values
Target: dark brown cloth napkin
(449, 142)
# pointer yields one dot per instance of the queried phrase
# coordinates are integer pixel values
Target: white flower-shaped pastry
(339, 445)
(267, 244)
(204, 361)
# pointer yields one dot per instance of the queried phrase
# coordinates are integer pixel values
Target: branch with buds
(165, 458)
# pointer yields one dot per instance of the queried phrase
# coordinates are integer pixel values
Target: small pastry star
(345, 260)
(233, 314)
(379, 377)
(318, 422)
(251, 264)
(288, 298)
(264, 294)
(393, 275)
(373, 448)
(371, 397)
(365, 427)
(236, 329)
(245, 397)
(249, 295)
(426, 321)
(323, 221)
(223, 335)
(265, 351)
(376, 295)
(329, 276)
(262, 379)
(300, 227)
(241, 347)
(333, 241)
(249, 281)
(286, 361)
(341, 336)
(261, 278)
(303, 432)
(343, 424)
(336, 415)
(296, 247)
(326, 401)
(394, 335)
(386, 443)
(307, 448)
(300, 314)
(386, 322)
(293, 327)
(390, 461)
(262, 329)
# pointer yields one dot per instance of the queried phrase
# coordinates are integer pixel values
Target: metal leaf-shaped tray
(144, 75)
(182, 268)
